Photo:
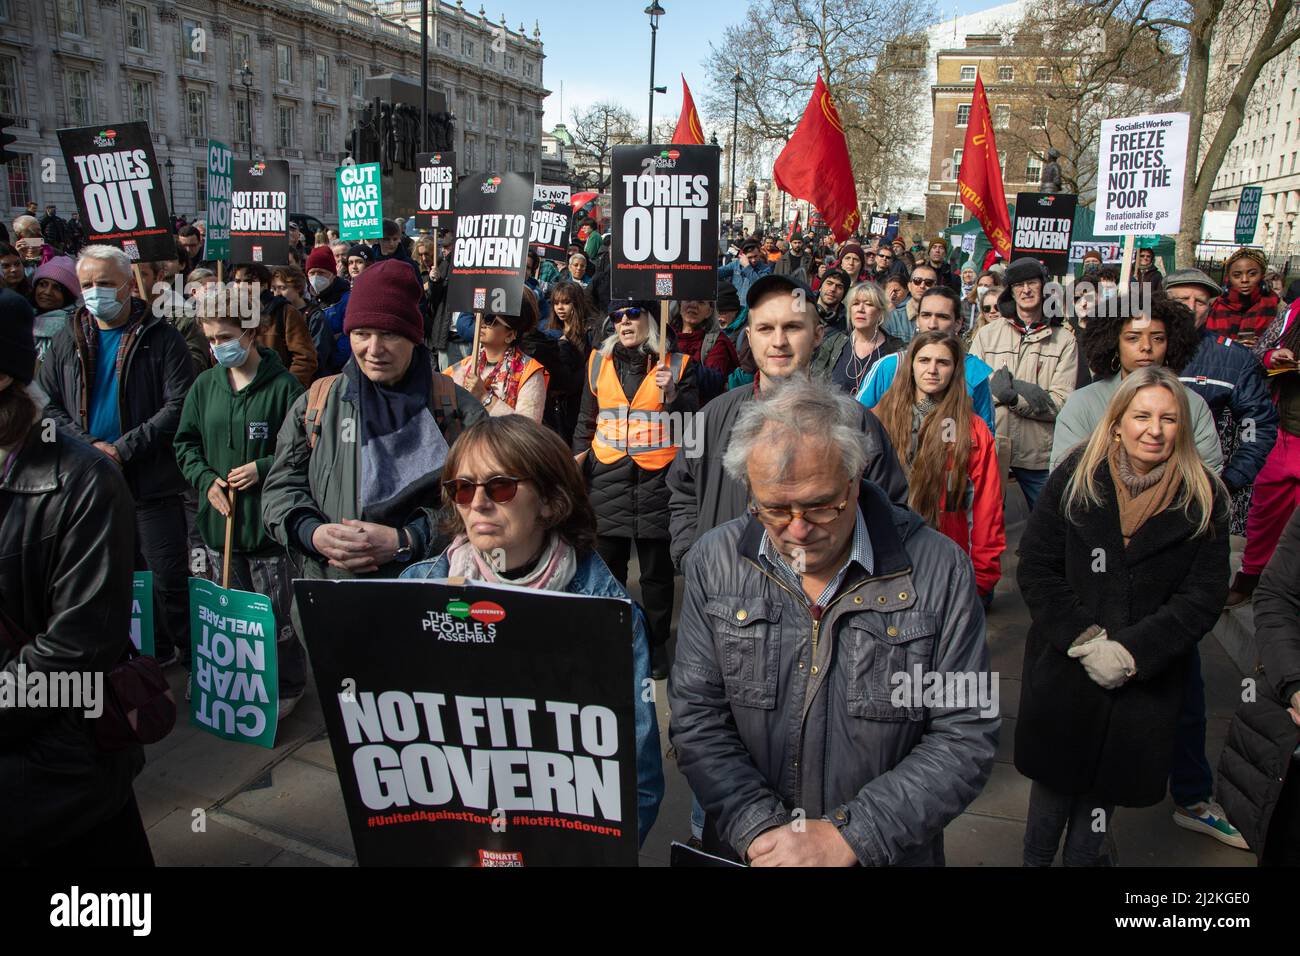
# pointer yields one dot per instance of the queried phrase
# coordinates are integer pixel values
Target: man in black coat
(116, 376)
(784, 332)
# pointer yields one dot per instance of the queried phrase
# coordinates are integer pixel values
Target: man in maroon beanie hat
(371, 514)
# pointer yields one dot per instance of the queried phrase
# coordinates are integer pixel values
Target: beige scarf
(1140, 497)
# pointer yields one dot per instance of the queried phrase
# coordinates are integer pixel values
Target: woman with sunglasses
(633, 416)
(988, 312)
(502, 376)
(520, 515)
(953, 479)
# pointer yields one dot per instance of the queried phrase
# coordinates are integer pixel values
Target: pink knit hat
(63, 270)
(386, 296)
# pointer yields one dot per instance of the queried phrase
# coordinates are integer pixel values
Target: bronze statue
(1051, 178)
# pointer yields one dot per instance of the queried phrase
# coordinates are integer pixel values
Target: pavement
(208, 802)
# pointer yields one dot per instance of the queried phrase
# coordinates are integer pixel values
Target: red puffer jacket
(982, 531)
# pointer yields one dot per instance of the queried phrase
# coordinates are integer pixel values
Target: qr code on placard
(131, 249)
(663, 283)
(257, 253)
(480, 300)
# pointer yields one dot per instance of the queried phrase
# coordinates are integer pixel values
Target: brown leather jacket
(284, 330)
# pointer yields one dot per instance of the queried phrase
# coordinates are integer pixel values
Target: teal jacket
(222, 429)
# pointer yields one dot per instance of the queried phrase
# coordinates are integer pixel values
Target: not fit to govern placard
(665, 225)
(488, 257)
(259, 213)
(119, 189)
(1141, 164)
(1044, 223)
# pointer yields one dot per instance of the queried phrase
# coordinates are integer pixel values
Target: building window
(528, 124)
(137, 28)
(529, 69)
(510, 159)
(322, 72)
(243, 126)
(1033, 169)
(200, 188)
(324, 131)
(510, 119)
(1006, 74)
(295, 191)
(471, 159)
(956, 214)
(285, 127)
(1001, 116)
(466, 46)
(492, 114)
(77, 91)
(20, 180)
(4, 11)
(528, 160)
(190, 30)
(239, 44)
(196, 102)
(1002, 162)
(492, 154)
(10, 98)
(963, 114)
(1043, 74)
(444, 39)
(72, 18)
(358, 79)
(284, 62)
(1040, 117)
(956, 163)
(329, 194)
(511, 63)
(470, 109)
(489, 55)
(968, 74)
(140, 107)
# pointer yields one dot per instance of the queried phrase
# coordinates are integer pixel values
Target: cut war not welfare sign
(481, 726)
(235, 683)
(216, 238)
(360, 202)
(119, 189)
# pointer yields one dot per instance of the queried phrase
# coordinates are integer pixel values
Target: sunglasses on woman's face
(492, 320)
(622, 314)
(989, 308)
(499, 488)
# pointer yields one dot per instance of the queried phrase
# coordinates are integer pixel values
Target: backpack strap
(593, 370)
(317, 395)
(446, 410)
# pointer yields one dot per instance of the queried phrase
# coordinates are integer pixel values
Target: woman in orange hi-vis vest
(507, 380)
(636, 409)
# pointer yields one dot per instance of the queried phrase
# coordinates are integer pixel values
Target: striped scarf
(1243, 316)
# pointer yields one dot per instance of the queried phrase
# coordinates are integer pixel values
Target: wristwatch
(403, 552)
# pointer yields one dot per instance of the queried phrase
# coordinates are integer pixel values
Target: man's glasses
(780, 517)
(884, 255)
(923, 283)
(499, 488)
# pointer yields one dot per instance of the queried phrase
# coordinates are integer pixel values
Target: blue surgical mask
(102, 303)
(230, 354)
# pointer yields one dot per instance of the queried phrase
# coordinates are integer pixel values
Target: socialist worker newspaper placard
(119, 190)
(480, 726)
(489, 256)
(1141, 162)
(665, 222)
(259, 213)
(1044, 223)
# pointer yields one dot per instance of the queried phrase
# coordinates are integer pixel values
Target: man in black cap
(784, 330)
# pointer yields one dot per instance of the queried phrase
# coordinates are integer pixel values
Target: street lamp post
(654, 12)
(171, 184)
(735, 120)
(789, 131)
(246, 78)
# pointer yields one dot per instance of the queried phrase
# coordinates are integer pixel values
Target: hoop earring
(1114, 363)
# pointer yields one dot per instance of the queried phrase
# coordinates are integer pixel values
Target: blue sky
(602, 50)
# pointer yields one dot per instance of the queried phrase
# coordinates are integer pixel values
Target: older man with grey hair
(831, 697)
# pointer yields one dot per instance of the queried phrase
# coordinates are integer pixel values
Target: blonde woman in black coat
(1123, 565)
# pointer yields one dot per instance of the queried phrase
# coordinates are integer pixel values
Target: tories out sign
(119, 189)
(552, 220)
(436, 189)
(1044, 223)
(1140, 168)
(665, 228)
(488, 258)
(259, 213)
(481, 726)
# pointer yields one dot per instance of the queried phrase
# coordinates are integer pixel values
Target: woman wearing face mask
(520, 516)
(953, 480)
(502, 376)
(55, 294)
(329, 292)
(625, 446)
(226, 440)
(1108, 654)
(1249, 306)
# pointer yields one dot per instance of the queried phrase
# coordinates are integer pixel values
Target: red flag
(688, 132)
(980, 179)
(815, 164)
(793, 226)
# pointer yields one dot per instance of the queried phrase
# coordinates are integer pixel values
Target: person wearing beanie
(1034, 361)
(356, 260)
(1249, 306)
(506, 379)
(625, 446)
(68, 538)
(937, 257)
(55, 291)
(329, 290)
(853, 263)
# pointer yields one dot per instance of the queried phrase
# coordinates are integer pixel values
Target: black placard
(480, 725)
(489, 255)
(1042, 229)
(665, 224)
(552, 222)
(121, 197)
(435, 189)
(259, 213)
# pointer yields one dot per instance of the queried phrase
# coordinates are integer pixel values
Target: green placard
(216, 238)
(361, 205)
(234, 693)
(1247, 214)
(142, 612)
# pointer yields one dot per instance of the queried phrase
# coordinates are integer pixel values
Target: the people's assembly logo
(491, 185)
(105, 138)
(257, 169)
(465, 623)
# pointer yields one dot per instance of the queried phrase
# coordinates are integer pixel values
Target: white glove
(1108, 663)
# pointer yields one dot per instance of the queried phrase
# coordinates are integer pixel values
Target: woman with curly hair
(1118, 340)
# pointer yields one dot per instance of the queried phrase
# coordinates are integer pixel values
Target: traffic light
(7, 139)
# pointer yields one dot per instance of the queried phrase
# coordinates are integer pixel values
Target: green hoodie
(221, 429)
